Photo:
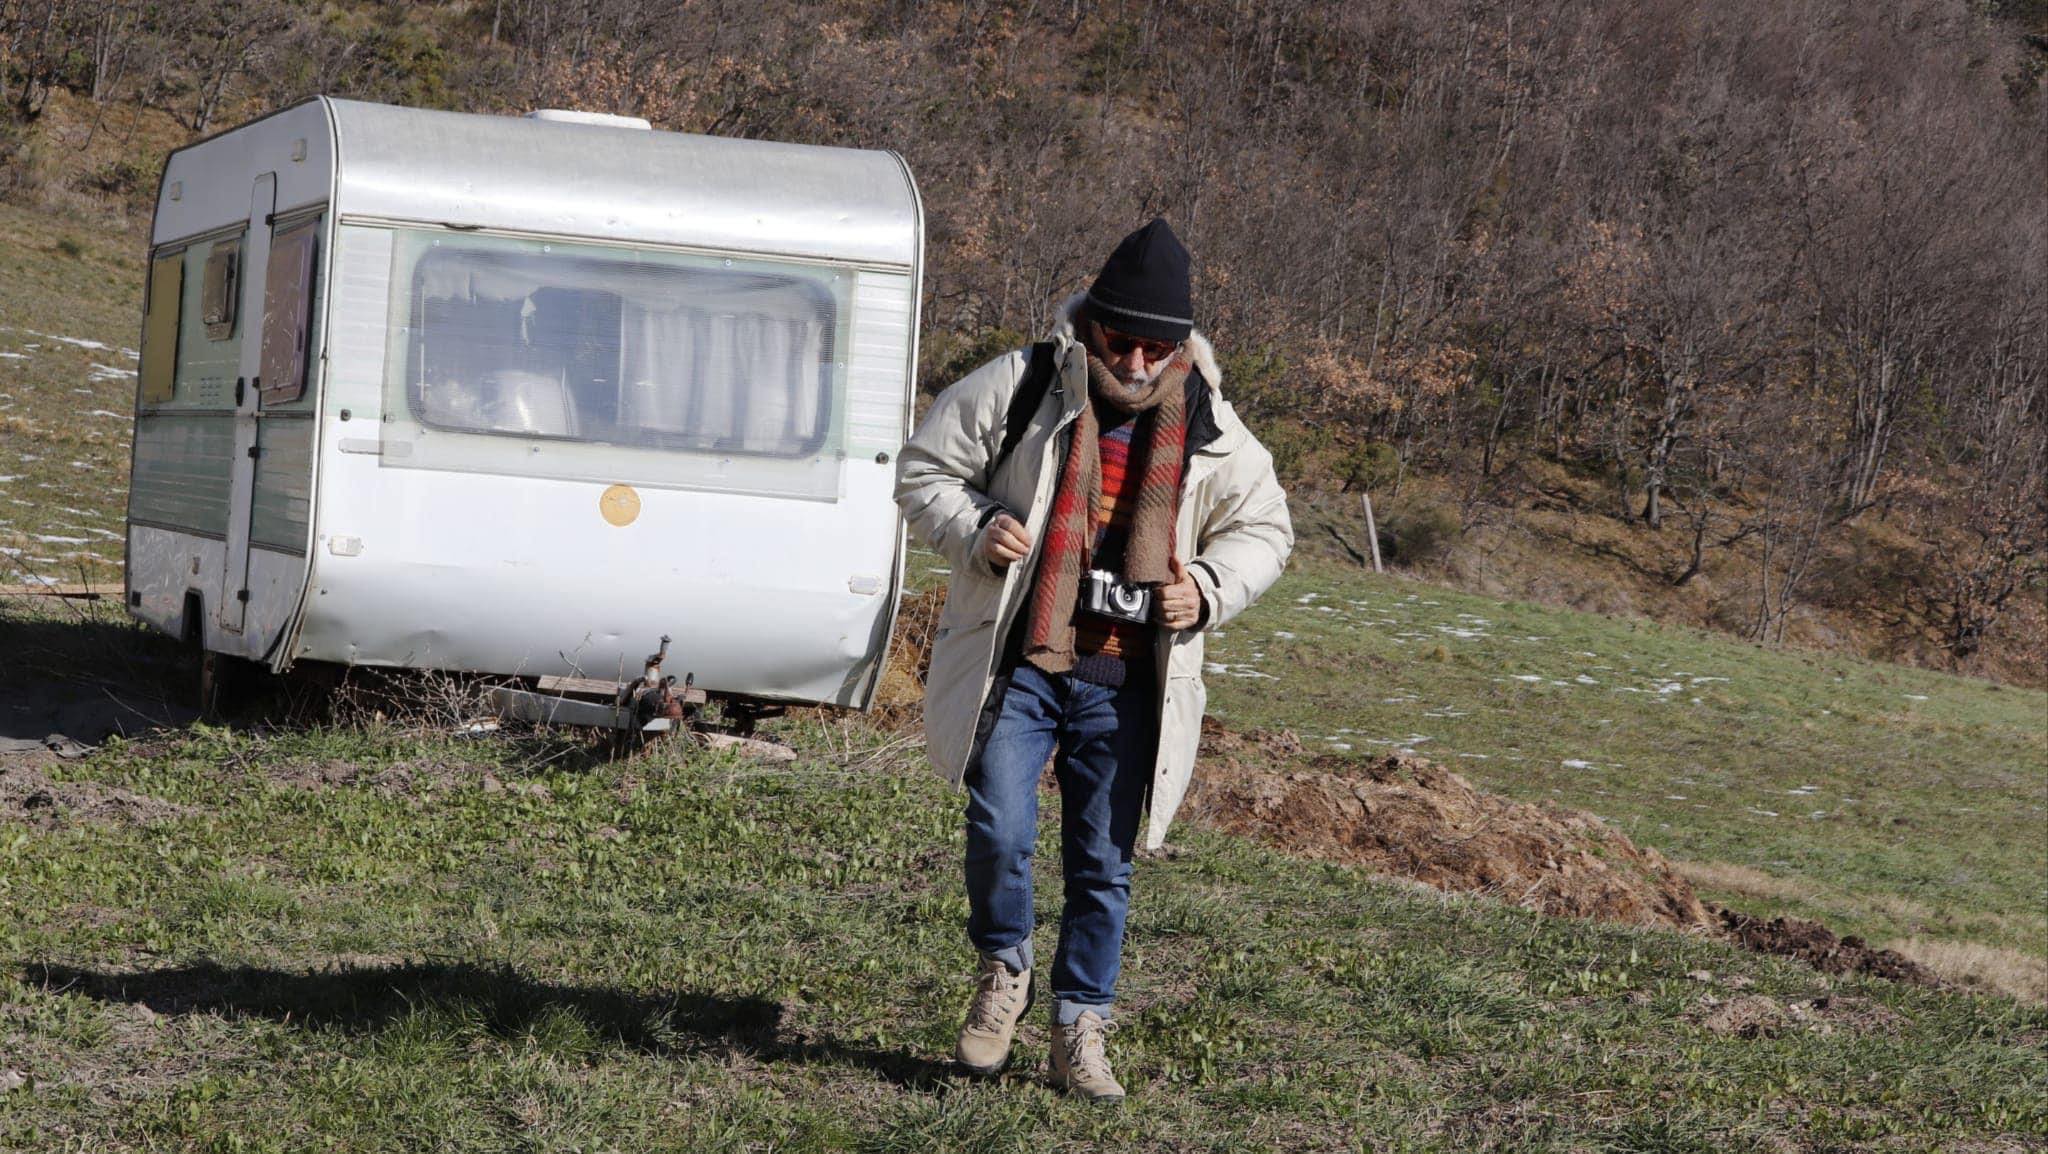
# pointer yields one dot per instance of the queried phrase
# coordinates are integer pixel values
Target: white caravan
(522, 395)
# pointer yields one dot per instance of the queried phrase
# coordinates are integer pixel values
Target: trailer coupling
(651, 704)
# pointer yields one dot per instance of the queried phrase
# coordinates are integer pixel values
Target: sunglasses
(1121, 344)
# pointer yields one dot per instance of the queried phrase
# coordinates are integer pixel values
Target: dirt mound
(1410, 817)
(1817, 946)
(28, 796)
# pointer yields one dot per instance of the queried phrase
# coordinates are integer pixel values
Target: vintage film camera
(1111, 596)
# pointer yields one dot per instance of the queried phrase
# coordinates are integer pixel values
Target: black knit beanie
(1143, 287)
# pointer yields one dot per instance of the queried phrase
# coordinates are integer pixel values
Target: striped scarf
(1070, 528)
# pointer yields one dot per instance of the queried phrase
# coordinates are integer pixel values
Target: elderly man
(1101, 506)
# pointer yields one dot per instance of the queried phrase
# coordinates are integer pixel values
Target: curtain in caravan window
(740, 372)
(288, 312)
(621, 347)
(158, 378)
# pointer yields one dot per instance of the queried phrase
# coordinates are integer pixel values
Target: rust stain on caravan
(620, 505)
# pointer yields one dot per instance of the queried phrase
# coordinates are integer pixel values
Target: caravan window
(621, 347)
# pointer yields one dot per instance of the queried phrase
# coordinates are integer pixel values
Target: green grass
(691, 952)
(70, 315)
(1885, 801)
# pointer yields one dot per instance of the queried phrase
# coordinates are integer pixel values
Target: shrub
(1372, 465)
(1417, 528)
(946, 356)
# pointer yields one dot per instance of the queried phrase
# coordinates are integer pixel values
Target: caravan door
(234, 586)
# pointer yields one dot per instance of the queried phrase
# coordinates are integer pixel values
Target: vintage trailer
(523, 395)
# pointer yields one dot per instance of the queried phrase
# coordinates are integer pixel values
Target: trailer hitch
(654, 703)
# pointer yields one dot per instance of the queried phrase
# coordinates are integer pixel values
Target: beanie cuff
(1150, 325)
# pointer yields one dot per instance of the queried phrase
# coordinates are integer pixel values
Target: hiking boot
(1079, 1065)
(1000, 999)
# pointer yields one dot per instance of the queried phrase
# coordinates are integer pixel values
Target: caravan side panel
(477, 561)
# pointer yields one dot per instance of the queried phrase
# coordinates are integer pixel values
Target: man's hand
(1180, 604)
(1004, 540)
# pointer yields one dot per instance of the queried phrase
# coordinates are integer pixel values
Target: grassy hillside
(1900, 804)
(70, 309)
(375, 937)
(374, 940)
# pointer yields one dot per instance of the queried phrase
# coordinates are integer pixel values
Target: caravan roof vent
(572, 116)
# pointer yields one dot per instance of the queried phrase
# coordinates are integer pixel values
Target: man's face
(1134, 361)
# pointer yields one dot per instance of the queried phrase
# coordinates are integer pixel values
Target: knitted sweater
(1102, 645)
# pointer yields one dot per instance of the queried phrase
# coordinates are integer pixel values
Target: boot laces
(1085, 1052)
(992, 990)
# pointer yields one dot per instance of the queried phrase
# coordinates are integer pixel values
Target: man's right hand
(1004, 539)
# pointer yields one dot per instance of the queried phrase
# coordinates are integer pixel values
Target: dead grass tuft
(1739, 879)
(1979, 966)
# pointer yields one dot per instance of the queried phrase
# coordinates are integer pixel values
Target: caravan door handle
(239, 382)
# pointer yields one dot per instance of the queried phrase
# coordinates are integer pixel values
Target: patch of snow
(1916, 697)
(105, 413)
(1528, 677)
(81, 342)
(13, 356)
(1575, 763)
(52, 540)
(1283, 635)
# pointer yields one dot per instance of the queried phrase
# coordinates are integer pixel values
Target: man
(1101, 505)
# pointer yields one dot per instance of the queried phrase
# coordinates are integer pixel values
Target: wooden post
(1372, 532)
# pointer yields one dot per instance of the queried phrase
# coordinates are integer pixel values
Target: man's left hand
(1180, 604)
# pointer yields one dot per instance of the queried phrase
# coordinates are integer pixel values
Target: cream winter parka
(1233, 530)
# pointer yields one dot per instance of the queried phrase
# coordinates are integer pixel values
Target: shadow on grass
(86, 672)
(508, 1005)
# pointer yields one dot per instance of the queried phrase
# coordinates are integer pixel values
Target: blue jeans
(1105, 741)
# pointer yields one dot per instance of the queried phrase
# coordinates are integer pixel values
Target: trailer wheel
(221, 681)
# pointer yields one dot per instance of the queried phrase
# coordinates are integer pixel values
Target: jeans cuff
(1017, 957)
(1066, 1013)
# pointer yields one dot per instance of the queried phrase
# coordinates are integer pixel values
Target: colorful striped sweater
(1103, 645)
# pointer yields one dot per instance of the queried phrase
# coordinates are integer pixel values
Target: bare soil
(1759, 1016)
(1819, 947)
(26, 795)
